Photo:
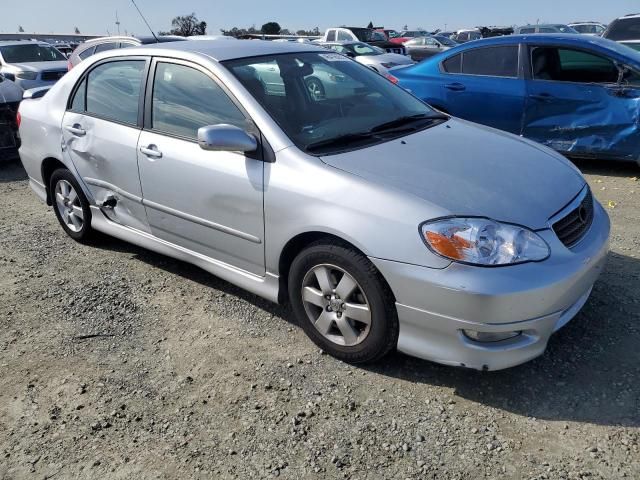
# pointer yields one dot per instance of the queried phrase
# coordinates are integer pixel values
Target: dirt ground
(116, 362)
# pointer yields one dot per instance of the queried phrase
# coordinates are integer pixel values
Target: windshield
(30, 52)
(327, 103)
(624, 29)
(364, 49)
(565, 29)
(366, 35)
(445, 41)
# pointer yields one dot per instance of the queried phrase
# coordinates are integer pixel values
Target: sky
(98, 17)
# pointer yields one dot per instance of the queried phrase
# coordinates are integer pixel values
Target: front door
(100, 132)
(484, 85)
(575, 105)
(206, 201)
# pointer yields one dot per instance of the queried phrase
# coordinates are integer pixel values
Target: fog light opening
(489, 337)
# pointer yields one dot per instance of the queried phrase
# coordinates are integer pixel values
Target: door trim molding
(106, 185)
(202, 221)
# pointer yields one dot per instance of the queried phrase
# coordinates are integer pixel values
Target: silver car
(31, 64)
(370, 56)
(384, 223)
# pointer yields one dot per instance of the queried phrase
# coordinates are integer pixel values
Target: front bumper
(435, 306)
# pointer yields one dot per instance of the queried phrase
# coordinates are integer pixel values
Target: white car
(589, 28)
(31, 64)
(373, 57)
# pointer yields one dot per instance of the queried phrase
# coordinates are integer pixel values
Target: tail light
(391, 78)
(69, 65)
(18, 119)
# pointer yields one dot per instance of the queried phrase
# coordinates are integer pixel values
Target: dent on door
(595, 126)
(104, 156)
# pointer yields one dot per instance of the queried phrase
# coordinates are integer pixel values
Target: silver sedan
(370, 56)
(384, 223)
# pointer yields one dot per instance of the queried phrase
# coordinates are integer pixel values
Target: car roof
(143, 39)
(221, 50)
(563, 39)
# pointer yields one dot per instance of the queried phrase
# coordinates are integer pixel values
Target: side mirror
(34, 93)
(226, 138)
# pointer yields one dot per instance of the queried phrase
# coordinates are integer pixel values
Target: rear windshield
(624, 29)
(30, 52)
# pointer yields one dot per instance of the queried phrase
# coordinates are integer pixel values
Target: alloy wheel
(336, 305)
(69, 207)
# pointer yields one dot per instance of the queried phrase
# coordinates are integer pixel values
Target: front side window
(30, 52)
(326, 103)
(491, 61)
(567, 65)
(343, 36)
(113, 90)
(524, 31)
(185, 99)
(547, 30)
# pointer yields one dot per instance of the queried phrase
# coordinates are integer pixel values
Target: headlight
(480, 241)
(27, 75)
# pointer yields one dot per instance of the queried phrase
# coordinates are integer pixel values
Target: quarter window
(453, 64)
(103, 47)
(185, 99)
(113, 90)
(79, 102)
(491, 61)
(566, 65)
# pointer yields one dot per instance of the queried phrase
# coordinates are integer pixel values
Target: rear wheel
(70, 205)
(342, 303)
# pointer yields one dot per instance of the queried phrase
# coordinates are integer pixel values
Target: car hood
(461, 168)
(37, 66)
(10, 92)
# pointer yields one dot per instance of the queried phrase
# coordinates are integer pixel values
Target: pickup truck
(366, 35)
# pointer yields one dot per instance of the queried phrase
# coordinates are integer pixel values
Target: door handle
(76, 129)
(456, 87)
(151, 151)
(542, 97)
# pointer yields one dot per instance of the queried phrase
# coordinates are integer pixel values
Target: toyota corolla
(383, 222)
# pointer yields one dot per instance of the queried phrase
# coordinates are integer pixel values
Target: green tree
(270, 28)
(187, 25)
(370, 25)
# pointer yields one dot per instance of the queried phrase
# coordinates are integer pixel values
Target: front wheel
(342, 303)
(70, 205)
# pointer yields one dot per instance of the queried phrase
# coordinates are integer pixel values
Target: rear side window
(103, 47)
(524, 31)
(86, 53)
(331, 36)
(491, 61)
(343, 36)
(113, 90)
(624, 29)
(453, 64)
(547, 30)
(185, 99)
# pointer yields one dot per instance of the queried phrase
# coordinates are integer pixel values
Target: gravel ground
(116, 362)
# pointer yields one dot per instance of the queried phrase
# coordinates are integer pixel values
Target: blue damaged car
(578, 95)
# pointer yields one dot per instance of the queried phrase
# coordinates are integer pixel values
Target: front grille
(8, 125)
(575, 225)
(53, 75)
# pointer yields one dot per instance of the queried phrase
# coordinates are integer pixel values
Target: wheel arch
(298, 243)
(50, 165)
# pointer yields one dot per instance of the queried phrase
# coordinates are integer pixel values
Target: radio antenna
(145, 21)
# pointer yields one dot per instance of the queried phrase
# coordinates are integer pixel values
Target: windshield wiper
(406, 120)
(339, 140)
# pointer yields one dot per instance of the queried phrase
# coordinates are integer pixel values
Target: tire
(71, 206)
(339, 325)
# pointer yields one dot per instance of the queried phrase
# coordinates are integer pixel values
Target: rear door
(210, 202)
(485, 85)
(100, 132)
(575, 105)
